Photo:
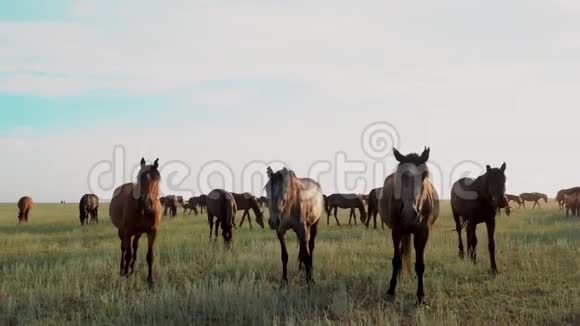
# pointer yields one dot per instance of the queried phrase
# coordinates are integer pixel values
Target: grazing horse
(477, 201)
(297, 204)
(409, 205)
(202, 202)
(24, 207)
(89, 206)
(222, 205)
(373, 204)
(352, 201)
(170, 205)
(514, 198)
(191, 206)
(135, 210)
(247, 202)
(561, 198)
(533, 197)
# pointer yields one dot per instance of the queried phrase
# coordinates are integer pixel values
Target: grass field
(55, 272)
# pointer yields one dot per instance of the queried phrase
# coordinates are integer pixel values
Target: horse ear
(503, 167)
(143, 162)
(425, 155)
(270, 172)
(156, 164)
(398, 156)
(488, 168)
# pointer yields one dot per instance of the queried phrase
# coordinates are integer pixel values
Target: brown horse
(477, 201)
(170, 203)
(533, 197)
(247, 202)
(409, 205)
(24, 207)
(560, 199)
(89, 206)
(180, 201)
(373, 207)
(135, 210)
(191, 206)
(221, 205)
(345, 201)
(572, 202)
(297, 204)
(514, 198)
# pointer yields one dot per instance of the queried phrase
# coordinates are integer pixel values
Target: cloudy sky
(218, 89)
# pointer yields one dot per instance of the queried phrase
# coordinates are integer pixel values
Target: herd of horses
(407, 204)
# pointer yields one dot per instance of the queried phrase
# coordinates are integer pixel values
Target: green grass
(55, 272)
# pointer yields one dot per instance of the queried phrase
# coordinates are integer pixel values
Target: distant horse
(191, 206)
(202, 202)
(297, 204)
(180, 201)
(508, 209)
(89, 207)
(514, 198)
(409, 205)
(135, 210)
(560, 198)
(346, 201)
(170, 205)
(262, 201)
(533, 197)
(221, 205)
(572, 201)
(24, 207)
(373, 207)
(477, 201)
(247, 202)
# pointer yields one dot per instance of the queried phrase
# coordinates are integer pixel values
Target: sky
(218, 90)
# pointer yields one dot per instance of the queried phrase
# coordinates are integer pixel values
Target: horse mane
(291, 192)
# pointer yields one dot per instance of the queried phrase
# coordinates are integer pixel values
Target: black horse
(477, 201)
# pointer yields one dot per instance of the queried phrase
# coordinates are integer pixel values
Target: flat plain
(55, 272)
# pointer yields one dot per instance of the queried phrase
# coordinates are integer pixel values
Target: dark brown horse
(373, 207)
(533, 197)
(409, 205)
(170, 204)
(262, 201)
(297, 204)
(560, 199)
(202, 202)
(136, 210)
(221, 205)
(514, 198)
(191, 206)
(247, 202)
(477, 201)
(345, 201)
(180, 201)
(24, 207)
(89, 207)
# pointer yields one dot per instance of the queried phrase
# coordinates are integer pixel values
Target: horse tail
(406, 253)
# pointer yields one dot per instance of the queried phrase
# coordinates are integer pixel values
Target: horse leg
(243, 219)
(420, 243)
(150, 256)
(491, 244)
(135, 247)
(336, 217)
(97, 215)
(284, 249)
(312, 244)
(350, 218)
(210, 221)
(123, 249)
(247, 213)
(397, 262)
(328, 212)
(472, 239)
(128, 255)
(305, 258)
(353, 212)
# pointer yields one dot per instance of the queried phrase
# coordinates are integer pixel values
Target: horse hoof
(284, 284)
(390, 297)
(422, 304)
(151, 284)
